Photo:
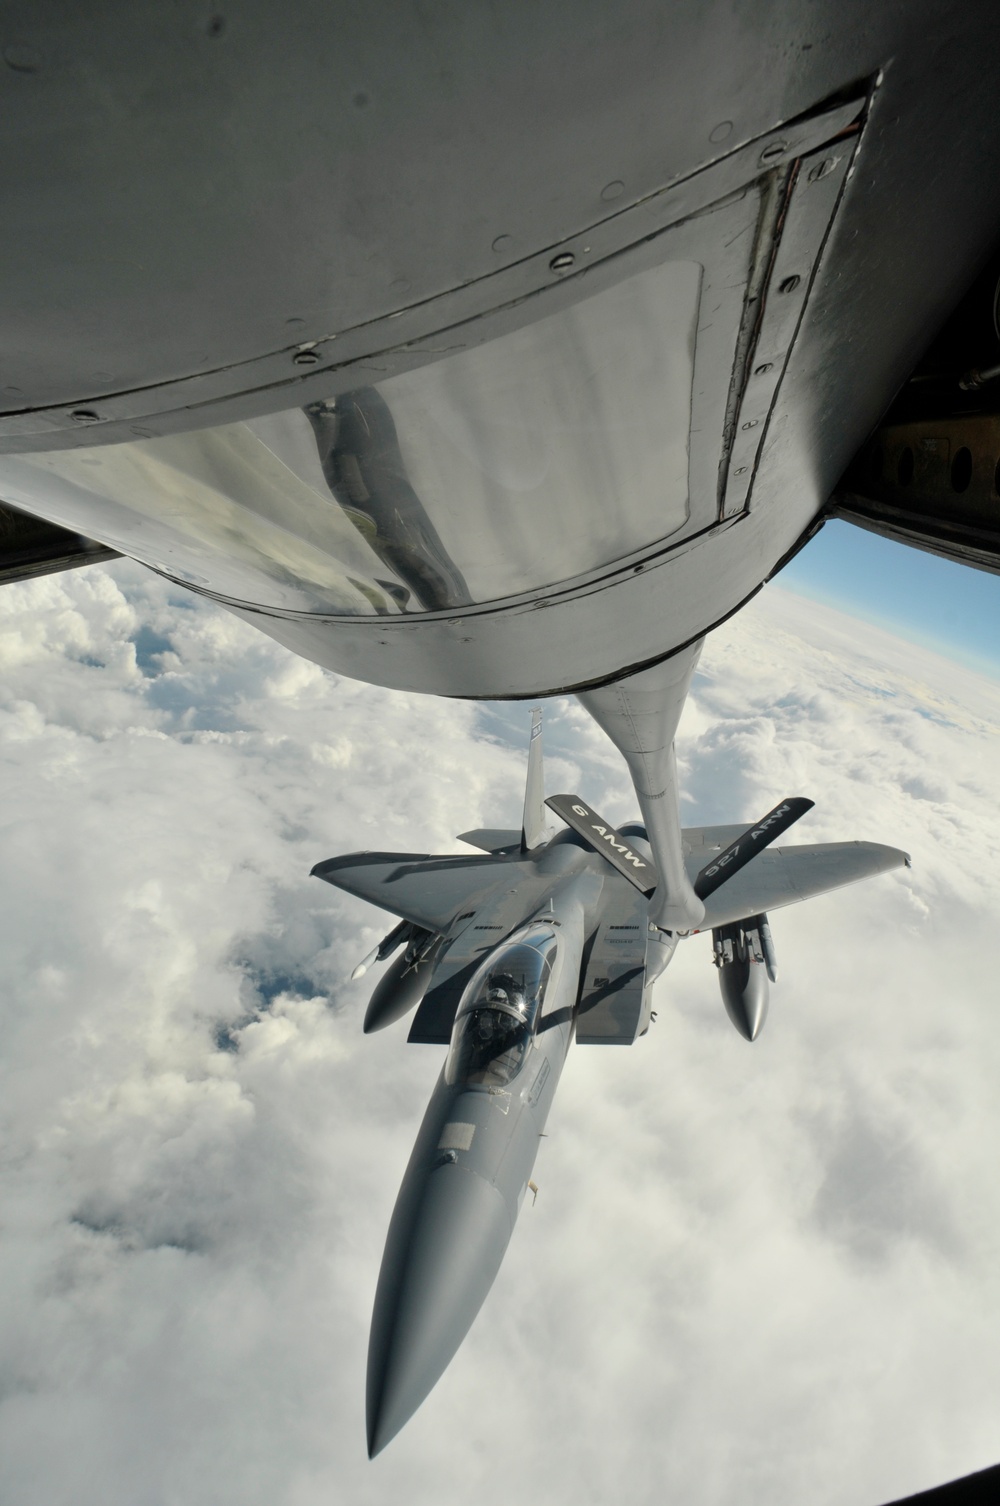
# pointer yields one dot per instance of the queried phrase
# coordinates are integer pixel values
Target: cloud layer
(763, 1273)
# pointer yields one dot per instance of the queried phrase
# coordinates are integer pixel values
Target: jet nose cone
(744, 992)
(440, 1260)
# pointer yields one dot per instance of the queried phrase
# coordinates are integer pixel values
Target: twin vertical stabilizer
(534, 829)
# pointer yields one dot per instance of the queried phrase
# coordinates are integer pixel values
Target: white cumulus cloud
(767, 1273)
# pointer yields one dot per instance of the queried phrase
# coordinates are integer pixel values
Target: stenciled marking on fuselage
(541, 1078)
(609, 837)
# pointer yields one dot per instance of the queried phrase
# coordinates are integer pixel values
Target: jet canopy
(499, 1011)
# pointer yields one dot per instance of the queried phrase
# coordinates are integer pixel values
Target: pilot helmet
(504, 993)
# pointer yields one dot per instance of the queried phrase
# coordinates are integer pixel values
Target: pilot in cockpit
(495, 1021)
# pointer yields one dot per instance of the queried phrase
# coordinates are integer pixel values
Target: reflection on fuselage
(359, 453)
(509, 467)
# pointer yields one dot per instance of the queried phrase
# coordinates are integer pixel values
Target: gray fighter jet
(511, 955)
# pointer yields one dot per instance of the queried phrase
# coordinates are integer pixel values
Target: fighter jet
(551, 936)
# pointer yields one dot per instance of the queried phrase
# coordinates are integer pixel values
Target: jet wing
(783, 875)
(430, 891)
(492, 839)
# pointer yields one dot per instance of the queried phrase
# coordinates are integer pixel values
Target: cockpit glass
(499, 1011)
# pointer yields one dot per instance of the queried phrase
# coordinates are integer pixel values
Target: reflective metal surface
(590, 439)
(218, 509)
(550, 451)
(563, 446)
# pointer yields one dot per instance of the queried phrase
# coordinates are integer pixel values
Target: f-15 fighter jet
(512, 955)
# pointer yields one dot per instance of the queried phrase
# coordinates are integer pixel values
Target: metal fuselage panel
(154, 289)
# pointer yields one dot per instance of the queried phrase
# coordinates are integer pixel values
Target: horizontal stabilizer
(491, 839)
(748, 844)
(605, 839)
(783, 875)
(430, 891)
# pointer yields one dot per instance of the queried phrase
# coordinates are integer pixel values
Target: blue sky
(946, 607)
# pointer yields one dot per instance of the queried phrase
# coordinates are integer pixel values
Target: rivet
(84, 416)
(612, 190)
(562, 262)
(503, 243)
(789, 284)
(13, 391)
(295, 323)
(638, 569)
(751, 423)
(821, 169)
(22, 58)
(740, 470)
(774, 151)
(305, 358)
(721, 131)
(763, 368)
